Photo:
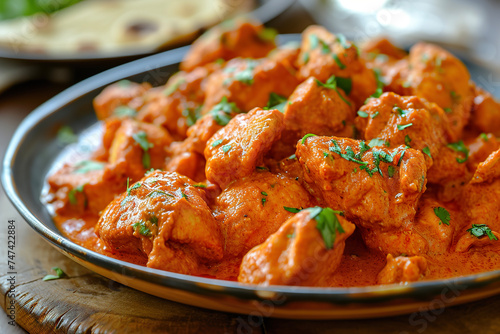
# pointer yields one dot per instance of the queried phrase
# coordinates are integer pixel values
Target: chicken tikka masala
(312, 164)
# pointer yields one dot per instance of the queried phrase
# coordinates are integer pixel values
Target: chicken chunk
(393, 120)
(177, 105)
(324, 54)
(438, 76)
(485, 112)
(481, 196)
(378, 187)
(248, 83)
(164, 218)
(314, 108)
(229, 40)
(86, 187)
(480, 149)
(306, 250)
(239, 147)
(121, 94)
(403, 269)
(254, 207)
(141, 145)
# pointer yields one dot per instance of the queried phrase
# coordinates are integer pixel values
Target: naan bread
(115, 26)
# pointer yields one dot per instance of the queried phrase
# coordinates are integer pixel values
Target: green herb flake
(331, 83)
(65, 135)
(376, 142)
(226, 148)
(72, 194)
(124, 111)
(86, 166)
(447, 110)
(263, 200)
(345, 84)
(184, 195)
(375, 114)
(481, 230)
(327, 224)
(325, 154)
(217, 143)
(262, 168)
(313, 41)
(199, 185)
(443, 215)
(343, 41)
(305, 57)
(338, 62)
(263, 193)
(142, 228)
(191, 115)
(276, 101)
(222, 111)
(427, 151)
(325, 48)
(292, 210)
(362, 114)
(141, 138)
(484, 136)
(268, 34)
(404, 126)
(407, 140)
(59, 274)
(173, 87)
(461, 148)
(390, 171)
(306, 136)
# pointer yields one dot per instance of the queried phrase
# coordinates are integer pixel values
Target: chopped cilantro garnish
(376, 142)
(461, 148)
(292, 210)
(362, 114)
(268, 34)
(226, 148)
(484, 136)
(325, 154)
(72, 194)
(276, 101)
(263, 193)
(305, 57)
(327, 224)
(390, 171)
(184, 195)
(331, 83)
(338, 62)
(407, 140)
(375, 114)
(263, 200)
(306, 136)
(481, 230)
(345, 84)
(59, 274)
(199, 185)
(262, 168)
(222, 111)
(325, 48)
(173, 87)
(142, 228)
(141, 138)
(86, 166)
(313, 41)
(246, 76)
(447, 110)
(443, 215)
(427, 151)
(217, 142)
(65, 135)
(124, 111)
(191, 115)
(404, 126)
(343, 41)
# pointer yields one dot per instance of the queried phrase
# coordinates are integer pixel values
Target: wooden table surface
(86, 302)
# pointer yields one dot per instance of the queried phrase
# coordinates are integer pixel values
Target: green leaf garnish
(292, 210)
(327, 224)
(427, 151)
(443, 215)
(404, 126)
(307, 136)
(338, 62)
(59, 274)
(481, 230)
(86, 166)
(65, 135)
(222, 111)
(217, 142)
(141, 138)
(362, 114)
(461, 148)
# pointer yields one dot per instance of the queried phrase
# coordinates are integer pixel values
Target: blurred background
(64, 41)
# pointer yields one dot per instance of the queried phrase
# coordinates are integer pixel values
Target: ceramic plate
(34, 150)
